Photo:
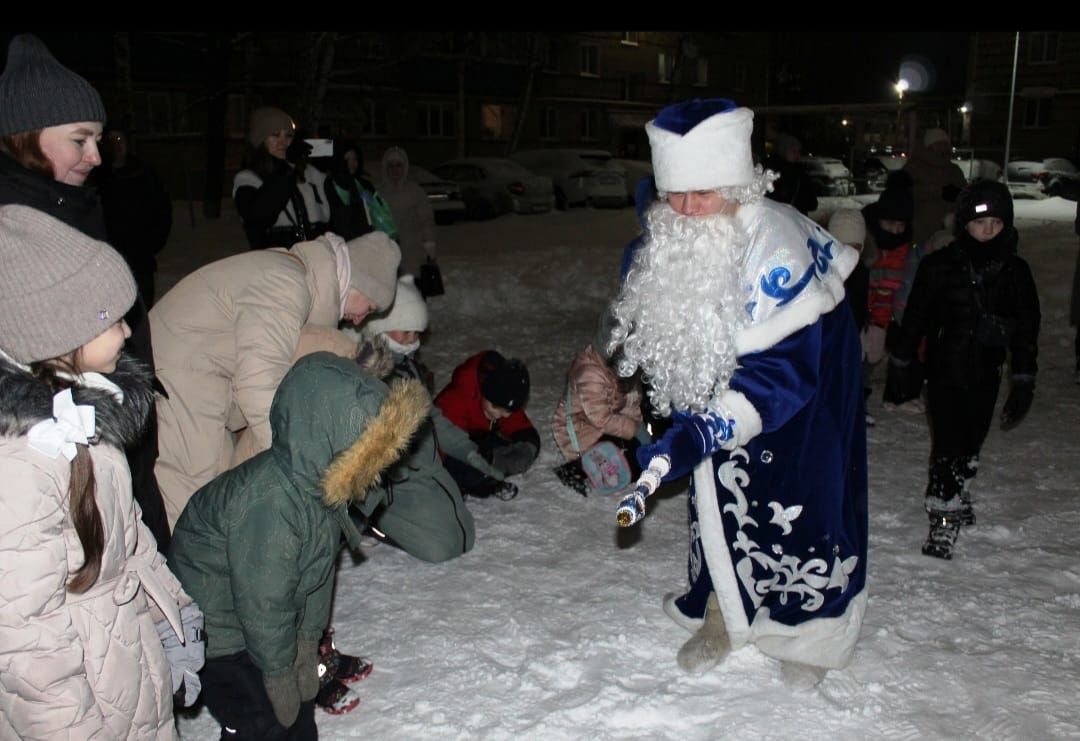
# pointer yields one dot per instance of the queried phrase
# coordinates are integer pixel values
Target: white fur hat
(701, 145)
(409, 312)
(848, 225)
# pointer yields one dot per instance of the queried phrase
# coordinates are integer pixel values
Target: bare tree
(536, 44)
(318, 64)
(122, 56)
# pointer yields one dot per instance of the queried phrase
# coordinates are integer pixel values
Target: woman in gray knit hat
(50, 124)
(82, 655)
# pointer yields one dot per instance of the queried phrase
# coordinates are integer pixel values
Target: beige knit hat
(59, 288)
(848, 225)
(266, 121)
(373, 264)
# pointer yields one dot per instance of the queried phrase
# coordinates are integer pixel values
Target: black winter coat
(794, 185)
(79, 208)
(974, 303)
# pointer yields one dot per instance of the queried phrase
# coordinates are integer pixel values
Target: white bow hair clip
(71, 423)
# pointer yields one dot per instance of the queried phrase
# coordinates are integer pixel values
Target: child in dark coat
(976, 303)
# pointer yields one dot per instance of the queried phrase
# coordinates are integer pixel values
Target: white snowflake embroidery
(790, 575)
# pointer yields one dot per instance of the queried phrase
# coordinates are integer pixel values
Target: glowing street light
(900, 86)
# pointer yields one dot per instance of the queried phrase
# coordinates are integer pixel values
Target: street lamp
(900, 86)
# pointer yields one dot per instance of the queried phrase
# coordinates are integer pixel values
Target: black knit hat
(897, 201)
(982, 199)
(504, 383)
(36, 91)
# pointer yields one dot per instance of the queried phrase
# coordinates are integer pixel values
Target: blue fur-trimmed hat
(701, 145)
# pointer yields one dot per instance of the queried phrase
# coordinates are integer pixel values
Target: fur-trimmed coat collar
(335, 427)
(26, 400)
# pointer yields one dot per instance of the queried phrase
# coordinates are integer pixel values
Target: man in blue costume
(733, 308)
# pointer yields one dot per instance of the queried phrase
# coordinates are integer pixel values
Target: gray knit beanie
(36, 91)
(59, 288)
(266, 121)
(373, 264)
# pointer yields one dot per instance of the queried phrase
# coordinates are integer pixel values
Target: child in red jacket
(485, 398)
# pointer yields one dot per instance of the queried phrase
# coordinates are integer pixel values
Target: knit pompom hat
(36, 91)
(266, 121)
(848, 226)
(59, 288)
(408, 314)
(373, 265)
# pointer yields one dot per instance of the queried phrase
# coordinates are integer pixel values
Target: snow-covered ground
(551, 628)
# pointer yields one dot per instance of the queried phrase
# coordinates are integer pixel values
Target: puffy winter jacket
(256, 546)
(973, 302)
(933, 173)
(224, 337)
(412, 213)
(460, 402)
(599, 405)
(87, 665)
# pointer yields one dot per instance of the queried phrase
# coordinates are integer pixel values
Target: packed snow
(551, 627)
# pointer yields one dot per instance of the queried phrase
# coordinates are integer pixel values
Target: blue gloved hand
(185, 659)
(691, 439)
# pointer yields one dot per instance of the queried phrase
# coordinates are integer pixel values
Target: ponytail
(82, 489)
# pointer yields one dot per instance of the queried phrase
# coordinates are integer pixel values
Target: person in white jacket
(412, 212)
(96, 634)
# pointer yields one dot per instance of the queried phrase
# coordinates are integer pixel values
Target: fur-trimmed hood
(335, 427)
(26, 400)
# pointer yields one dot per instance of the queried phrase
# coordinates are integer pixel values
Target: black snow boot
(944, 528)
(966, 514)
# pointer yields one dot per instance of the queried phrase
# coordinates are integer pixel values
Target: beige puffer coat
(599, 405)
(224, 337)
(932, 172)
(77, 666)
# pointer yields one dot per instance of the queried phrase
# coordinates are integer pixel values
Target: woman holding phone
(279, 195)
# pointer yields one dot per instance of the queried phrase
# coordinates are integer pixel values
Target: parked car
(873, 172)
(492, 185)
(443, 195)
(1056, 176)
(634, 171)
(580, 176)
(976, 169)
(829, 175)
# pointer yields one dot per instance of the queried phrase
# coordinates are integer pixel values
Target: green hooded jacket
(256, 547)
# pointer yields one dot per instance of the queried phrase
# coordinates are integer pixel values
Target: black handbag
(430, 280)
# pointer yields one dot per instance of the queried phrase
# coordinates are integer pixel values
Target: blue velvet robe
(779, 521)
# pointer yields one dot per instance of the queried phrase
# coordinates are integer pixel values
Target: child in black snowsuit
(975, 302)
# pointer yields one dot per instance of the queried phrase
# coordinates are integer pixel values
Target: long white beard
(678, 312)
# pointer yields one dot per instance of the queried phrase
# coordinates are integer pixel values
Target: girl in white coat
(94, 625)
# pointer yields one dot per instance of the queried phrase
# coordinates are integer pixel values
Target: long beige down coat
(600, 406)
(90, 665)
(224, 337)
